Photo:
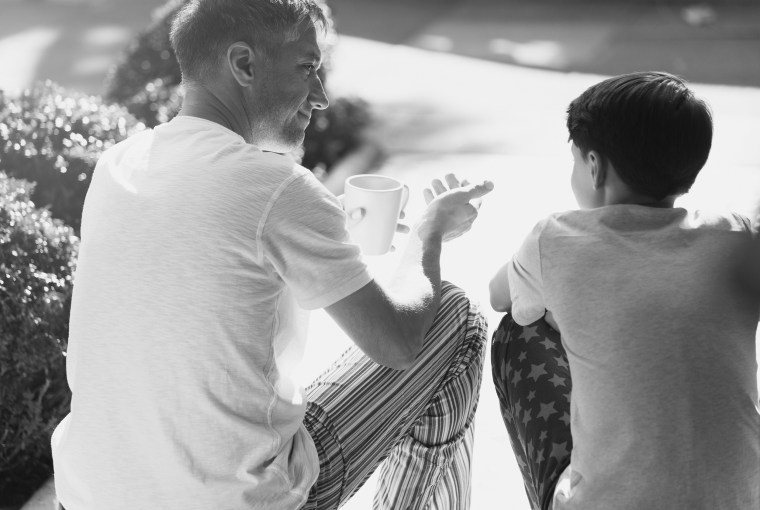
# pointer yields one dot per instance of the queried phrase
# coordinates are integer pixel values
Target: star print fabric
(532, 379)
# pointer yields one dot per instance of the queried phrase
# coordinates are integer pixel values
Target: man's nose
(317, 95)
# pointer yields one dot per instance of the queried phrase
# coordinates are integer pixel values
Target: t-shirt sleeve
(525, 280)
(304, 236)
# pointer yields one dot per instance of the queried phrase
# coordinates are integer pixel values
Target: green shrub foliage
(146, 80)
(37, 257)
(334, 132)
(54, 137)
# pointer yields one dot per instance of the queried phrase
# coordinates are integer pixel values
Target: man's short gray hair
(202, 30)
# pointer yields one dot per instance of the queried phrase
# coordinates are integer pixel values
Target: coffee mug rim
(399, 184)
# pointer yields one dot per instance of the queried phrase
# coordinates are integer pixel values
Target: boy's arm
(501, 297)
(518, 287)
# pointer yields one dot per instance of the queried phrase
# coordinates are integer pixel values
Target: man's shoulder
(277, 172)
(127, 151)
(137, 138)
(280, 165)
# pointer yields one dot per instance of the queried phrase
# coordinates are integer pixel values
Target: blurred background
(418, 88)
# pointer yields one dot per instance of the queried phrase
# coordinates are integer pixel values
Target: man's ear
(598, 169)
(240, 60)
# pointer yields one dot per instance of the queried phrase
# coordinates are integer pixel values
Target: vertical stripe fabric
(419, 421)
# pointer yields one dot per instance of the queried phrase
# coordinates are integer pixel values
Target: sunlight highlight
(23, 53)
(533, 53)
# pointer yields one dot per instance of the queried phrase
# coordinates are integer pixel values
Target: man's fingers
(402, 228)
(428, 195)
(452, 181)
(438, 186)
(478, 190)
(354, 216)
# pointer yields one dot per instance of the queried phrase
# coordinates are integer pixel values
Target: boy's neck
(634, 199)
(616, 192)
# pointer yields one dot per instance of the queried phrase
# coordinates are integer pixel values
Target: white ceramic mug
(382, 198)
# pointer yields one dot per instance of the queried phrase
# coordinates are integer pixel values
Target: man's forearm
(416, 286)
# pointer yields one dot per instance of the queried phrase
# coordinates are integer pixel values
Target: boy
(657, 321)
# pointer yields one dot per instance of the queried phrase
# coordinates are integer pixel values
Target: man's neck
(212, 106)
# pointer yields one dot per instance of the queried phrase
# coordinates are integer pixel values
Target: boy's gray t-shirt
(660, 338)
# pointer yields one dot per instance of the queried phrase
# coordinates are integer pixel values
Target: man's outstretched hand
(452, 207)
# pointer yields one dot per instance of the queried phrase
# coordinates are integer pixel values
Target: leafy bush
(37, 257)
(146, 80)
(334, 132)
(54, 137)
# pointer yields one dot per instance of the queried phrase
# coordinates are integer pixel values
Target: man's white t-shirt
(660, 339)
(199, 256)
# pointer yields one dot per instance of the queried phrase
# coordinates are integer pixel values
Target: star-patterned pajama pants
(532, 379)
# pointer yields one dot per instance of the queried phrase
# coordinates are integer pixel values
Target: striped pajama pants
(416, 424)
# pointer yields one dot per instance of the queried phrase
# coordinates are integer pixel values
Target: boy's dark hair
(202, 30)
(649, 125)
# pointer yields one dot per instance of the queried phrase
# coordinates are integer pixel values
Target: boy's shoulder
(576, 220)
(716, 220)
(627, 220)
(632, 216)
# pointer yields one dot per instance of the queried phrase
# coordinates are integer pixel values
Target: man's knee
(452, 297)
(458, 314)
(464, 326)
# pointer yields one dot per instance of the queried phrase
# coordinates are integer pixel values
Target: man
(199, 253)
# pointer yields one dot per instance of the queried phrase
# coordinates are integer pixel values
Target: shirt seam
(276, 438)
(267, 210)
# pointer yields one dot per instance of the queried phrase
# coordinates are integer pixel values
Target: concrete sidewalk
(707, 42)
(478, 88)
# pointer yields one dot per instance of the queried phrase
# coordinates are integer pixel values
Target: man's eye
(311, 69)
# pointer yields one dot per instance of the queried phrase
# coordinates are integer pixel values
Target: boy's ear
(240, 59)
(598, 169)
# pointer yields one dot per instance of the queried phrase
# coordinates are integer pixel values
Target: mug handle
(404, 198)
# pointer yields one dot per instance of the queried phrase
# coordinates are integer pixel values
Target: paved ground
(478, 87)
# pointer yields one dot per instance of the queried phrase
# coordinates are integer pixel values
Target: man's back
(184, 334)
(660, 337)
